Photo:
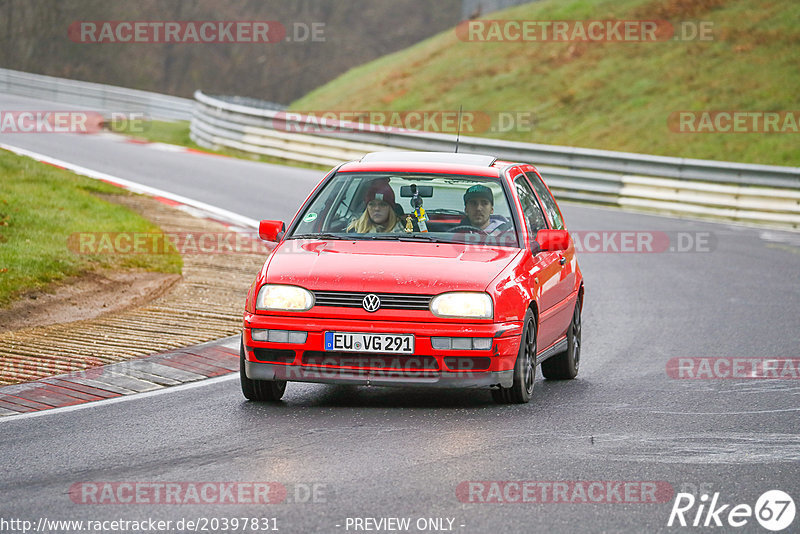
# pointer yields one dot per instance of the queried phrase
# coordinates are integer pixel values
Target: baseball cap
(478, 191)
(380, 190)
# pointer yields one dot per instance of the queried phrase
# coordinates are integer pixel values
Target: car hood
(386, 266)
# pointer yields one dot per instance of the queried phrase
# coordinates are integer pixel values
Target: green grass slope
(41, 207)
(615, 96)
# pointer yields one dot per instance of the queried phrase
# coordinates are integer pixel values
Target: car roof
(437, 162)
(432, 157)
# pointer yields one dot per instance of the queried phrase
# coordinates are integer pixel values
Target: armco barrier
(95, 96)
(741, 192)
(723, 190)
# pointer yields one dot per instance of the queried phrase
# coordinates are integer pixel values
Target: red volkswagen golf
(417, 269)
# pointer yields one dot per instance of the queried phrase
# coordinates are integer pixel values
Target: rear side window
(530, 207)
(547, 200)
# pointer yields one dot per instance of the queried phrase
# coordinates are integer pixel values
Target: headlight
(276, 297)
(462, 304)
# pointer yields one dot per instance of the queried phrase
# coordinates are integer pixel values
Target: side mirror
(553, 240)
(271, 230)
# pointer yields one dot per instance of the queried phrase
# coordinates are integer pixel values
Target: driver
(479, 206)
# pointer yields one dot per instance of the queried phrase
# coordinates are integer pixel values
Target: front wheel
(565, 366)
(259, 390)
(524, 369)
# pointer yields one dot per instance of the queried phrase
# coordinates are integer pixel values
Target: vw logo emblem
(371, 302)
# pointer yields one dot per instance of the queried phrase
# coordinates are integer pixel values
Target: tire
(524, 369)
(259, 390)
(564, 366)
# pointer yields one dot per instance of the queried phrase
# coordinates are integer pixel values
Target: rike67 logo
(774, 510)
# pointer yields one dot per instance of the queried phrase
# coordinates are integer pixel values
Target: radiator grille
(390, 301)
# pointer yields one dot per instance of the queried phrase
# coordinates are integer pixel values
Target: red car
(417, 269)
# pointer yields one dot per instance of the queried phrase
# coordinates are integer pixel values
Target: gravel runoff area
(205, 304)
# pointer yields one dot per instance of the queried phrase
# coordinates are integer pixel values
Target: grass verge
(41, 207)
(605, 95)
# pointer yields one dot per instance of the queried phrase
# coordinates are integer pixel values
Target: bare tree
(35, 38)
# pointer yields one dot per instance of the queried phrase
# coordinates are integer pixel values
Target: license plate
(358, 342)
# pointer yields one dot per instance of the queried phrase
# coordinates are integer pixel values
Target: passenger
(379, 214)
(479, 206)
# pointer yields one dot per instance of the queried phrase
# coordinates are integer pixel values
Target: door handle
(563, 260)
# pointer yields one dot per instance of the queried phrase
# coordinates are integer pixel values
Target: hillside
(609, 95)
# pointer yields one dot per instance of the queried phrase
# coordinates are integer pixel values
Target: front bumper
(426, 367)
(442, 379)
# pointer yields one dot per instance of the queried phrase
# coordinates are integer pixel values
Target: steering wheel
(468, 228)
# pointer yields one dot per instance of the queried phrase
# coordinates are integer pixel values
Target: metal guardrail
(731, 191)
(95, 96)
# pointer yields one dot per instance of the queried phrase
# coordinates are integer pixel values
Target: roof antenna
(458, 135)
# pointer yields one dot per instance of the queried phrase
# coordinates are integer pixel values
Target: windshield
(414, 207)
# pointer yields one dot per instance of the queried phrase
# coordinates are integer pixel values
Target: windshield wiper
(341, 237)
(317, 236)
(374, 237)
(416, 237)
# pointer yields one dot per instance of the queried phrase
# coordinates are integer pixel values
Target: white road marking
(136, 187)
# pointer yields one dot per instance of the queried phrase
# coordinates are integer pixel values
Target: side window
(530, 207)
(345, 197)
(548, 201)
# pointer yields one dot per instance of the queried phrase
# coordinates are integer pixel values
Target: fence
(103, 98)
